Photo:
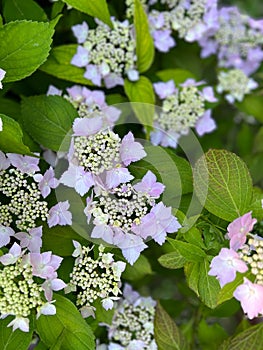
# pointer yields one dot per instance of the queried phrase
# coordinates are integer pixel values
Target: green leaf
(10, 107)
(24, 47)
(144, 40)
(59, 239)
(173, 260)
(210, 336)
(95, 8)
(11, 137)
(223, 184)
(194, 236)
(251, 338)
(208, 286)
(189, 251)
(177, 75)
(256, 204)
(10, 340)
(173, 171)
(68, 324)
(142, 92)
(48, 119)
(21, 9)
(58, 65)
(166, 333)
(252, 105)
(140, 269)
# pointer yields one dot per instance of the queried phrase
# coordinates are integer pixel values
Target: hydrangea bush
(131, 186)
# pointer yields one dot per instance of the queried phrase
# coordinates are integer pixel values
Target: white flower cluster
(181, 110)
(97, 152)
(252, 254)
(25, 203)
(235, 84)
(122, 206)
(19, 293)
(133, 323)
(95, 278)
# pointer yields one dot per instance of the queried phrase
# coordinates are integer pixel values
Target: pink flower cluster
(238, 258)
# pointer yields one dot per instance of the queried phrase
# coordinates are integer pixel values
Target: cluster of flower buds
(2, 75)
(237, 42)
(235, 84)
(27, 277)
(189, 20)
(245, 254)
(132, 325)
(25, 189)
(107, 54)
(97, 278)
(123, 214)
(182, 108)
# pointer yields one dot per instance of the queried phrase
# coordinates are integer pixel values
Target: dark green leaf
(223, 184)
(95, 8)
(138, 270)
(58, 64)
(67, 324)
(252, 338)
(21, 9)
(166, 333)
(177, 75)
(144, 40)
(24, 47)
(11, 137)
(48, 119)
(252, 105)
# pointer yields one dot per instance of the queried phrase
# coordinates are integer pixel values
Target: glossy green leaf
(22, 56)
(166, 333)
(21, 9)
(144, 40)
(251, 338)
(140, 269)
(48, 119)
(58, 65)
(177, 75)
(173, 260)
(67, 329)
(142, 93)
(95, 8)
(256, 203)
(189, 251)
(10, 340)
(11, 137)
(223, 184)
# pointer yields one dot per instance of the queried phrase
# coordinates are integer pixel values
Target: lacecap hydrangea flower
(245, 254)
(108, 55)
(188, 19)
(25, 190)
(95, 278)
(132, 326)
(123, 214)
(237, 42)
(27, 277)
(182, 108)
(89, 104)
(235, 85)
